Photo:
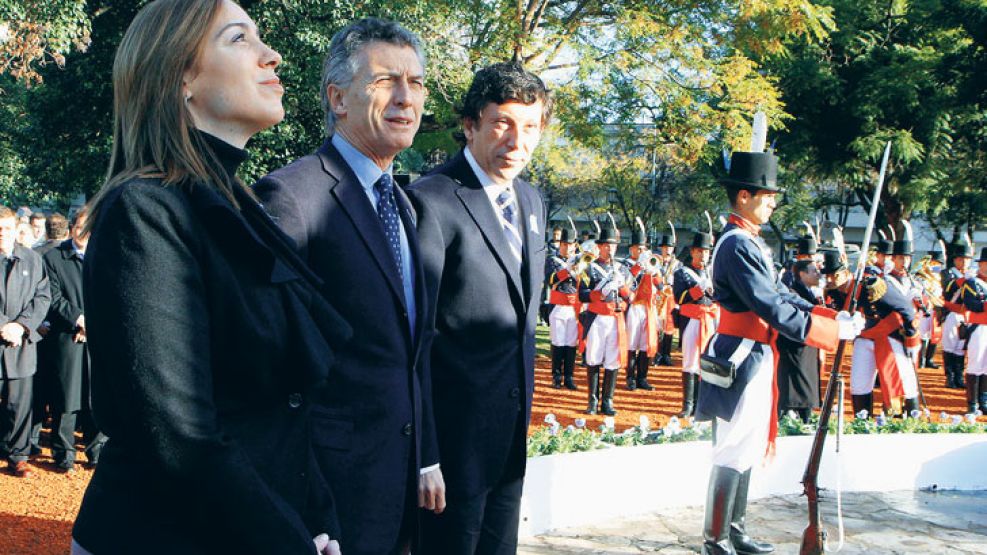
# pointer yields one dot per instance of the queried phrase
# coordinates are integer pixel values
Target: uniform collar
(744, 223)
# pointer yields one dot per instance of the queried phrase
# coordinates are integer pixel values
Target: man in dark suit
(482, 236)
(373, 426)
(66, 351)
(24, 300)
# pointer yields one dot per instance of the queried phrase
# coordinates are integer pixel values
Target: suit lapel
(527, 216)
(478, 205)
(353, 199)
(410, 223)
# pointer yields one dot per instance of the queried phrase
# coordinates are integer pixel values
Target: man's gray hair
(341, 64)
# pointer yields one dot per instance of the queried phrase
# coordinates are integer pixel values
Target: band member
(563, 272)
(693, 290)
(607, 291)
(953, 280)
(754, 312)
(807, 249)
(928, 277)
(882, 262)
(669, 265)
(975, 301)
(643, 323)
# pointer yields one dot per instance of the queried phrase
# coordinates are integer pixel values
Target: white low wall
(575, 489)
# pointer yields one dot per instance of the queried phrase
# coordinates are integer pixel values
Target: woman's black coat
(206, 335)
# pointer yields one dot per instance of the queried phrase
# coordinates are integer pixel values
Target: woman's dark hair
(505, 82)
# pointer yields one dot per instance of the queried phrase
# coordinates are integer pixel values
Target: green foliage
(35, 33)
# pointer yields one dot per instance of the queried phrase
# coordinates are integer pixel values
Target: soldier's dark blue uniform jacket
(687, 289)
(974, 295)
(558, 277)
(598, 274)
(879, 299)
(744, 280)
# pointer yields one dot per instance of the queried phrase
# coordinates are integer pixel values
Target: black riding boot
(688, 394)
(557, 366)
(609, 385)
(982, 389)
(863, 402)
(958, 371)
(631, 371)
(947, 368)
(643, 365)
(972, 393)
(666, 350)
(569, 366)
(593, 377)
(720, 499)
(742, 542)
(930, 351)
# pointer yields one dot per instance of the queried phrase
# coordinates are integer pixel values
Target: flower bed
(552, 438)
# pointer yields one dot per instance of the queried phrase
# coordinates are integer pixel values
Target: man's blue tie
(389, 219)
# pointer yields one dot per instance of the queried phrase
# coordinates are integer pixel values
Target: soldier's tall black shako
(738, 388)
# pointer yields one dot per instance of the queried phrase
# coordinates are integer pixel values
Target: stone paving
(907, 522)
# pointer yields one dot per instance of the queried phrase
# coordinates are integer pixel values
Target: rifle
(814, 537)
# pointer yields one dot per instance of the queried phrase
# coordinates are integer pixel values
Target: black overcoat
(25, 300)
(482, 357)
(373, 421)
(206, 334)
(798, 365)
(66, 361)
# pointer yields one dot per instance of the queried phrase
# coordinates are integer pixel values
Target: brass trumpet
(581, 264)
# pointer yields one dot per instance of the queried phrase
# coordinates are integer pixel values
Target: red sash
(706, 314)
(977, 318)
(887, 367)
(646, 296)
(751, 326)
(603, 308)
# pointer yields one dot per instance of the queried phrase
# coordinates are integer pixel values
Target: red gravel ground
(36, 513)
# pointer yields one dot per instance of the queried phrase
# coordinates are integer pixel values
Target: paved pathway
(908, 522)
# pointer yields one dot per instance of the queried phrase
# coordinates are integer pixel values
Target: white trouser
(602, 345)
(925, 327)
(690, 347)
(741, 442)
(951, 342)
(976, 362)
(563, 327)
(864, 368)
(637, 328)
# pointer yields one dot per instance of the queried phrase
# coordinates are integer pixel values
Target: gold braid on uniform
(876, 288)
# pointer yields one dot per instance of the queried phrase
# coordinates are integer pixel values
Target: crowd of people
(663, 294)
(330, 361)
(45, 364)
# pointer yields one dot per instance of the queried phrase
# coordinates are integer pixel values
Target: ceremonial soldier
(643, 321)
(667, 311)
(974, 299)
(607, 293)
(888, 347)
(953, 280)
(928, 277)
(882, 264)
(739, 369)
(697, 315)
(562, 274)
(808, 247)
(910, 288)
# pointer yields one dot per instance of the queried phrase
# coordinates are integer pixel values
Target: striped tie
(505, 201)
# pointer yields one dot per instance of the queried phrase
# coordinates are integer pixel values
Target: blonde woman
(206, 332)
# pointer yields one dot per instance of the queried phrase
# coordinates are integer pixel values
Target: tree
(34, 33)
(900, 70)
